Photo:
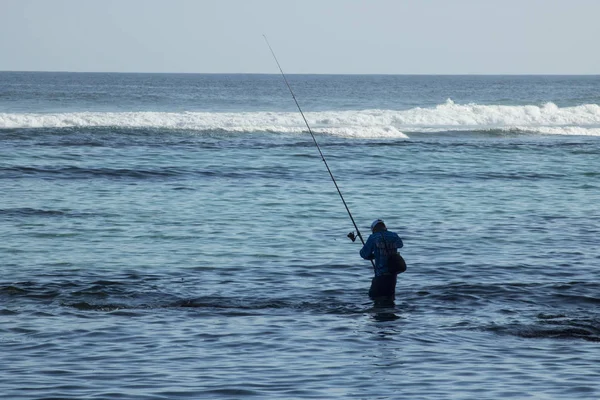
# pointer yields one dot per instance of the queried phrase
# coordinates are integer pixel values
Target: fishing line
(351, 234)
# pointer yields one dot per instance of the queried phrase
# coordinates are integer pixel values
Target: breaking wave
(447, 117)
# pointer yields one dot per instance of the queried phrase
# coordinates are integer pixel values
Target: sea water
(171, 236)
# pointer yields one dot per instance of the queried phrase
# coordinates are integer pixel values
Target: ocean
(177, 236)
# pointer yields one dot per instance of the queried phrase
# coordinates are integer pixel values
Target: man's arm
(399, 243)
(367, 251)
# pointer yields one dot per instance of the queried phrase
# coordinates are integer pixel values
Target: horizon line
(305, 73)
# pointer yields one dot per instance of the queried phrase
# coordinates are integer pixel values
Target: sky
(308, 36)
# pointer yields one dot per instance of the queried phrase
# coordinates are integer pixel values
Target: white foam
(499, 116)
(546, 119)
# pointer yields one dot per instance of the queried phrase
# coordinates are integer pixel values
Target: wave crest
(546, 119)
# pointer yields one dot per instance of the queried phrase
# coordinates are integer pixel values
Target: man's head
(378, 225)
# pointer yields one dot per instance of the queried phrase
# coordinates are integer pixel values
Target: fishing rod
(351, 234)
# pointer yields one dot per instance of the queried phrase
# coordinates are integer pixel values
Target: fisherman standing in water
(382, 246)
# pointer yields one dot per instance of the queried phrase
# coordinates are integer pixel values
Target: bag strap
(384, 241)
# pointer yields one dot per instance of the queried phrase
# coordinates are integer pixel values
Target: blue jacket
(379, 246)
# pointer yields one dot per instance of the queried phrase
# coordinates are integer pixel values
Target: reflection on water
(384, 309)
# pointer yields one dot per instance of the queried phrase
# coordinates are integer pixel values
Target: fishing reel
(352, 237)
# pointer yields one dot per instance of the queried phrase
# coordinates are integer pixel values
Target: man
(380, 245)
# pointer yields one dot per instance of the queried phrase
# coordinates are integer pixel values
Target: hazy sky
(308, 36)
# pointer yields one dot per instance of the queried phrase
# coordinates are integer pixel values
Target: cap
(376, 222)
